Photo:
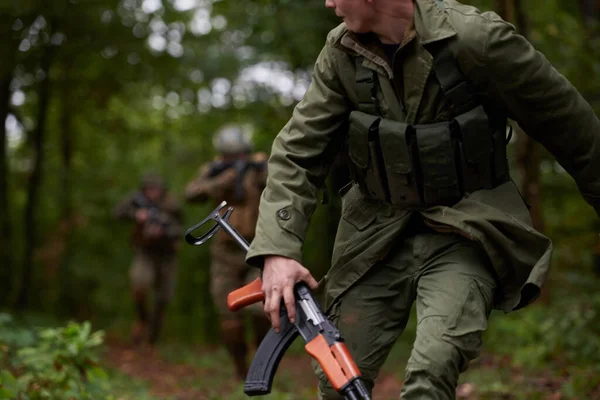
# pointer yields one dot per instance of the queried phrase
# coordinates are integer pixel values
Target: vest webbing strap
(454, 84)
(366, 88)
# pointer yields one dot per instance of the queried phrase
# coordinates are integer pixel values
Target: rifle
(155, 215)
(323, 340)
(241, 167)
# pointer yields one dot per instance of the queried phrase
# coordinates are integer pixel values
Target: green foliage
(566, 333)
(294, 379)
(51, 363)
(541, 351)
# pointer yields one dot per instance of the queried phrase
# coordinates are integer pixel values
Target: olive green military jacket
(493, 57)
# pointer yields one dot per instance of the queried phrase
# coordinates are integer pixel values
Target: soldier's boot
(235, 342)
(157, 321)
(261, 326)
(140, 326)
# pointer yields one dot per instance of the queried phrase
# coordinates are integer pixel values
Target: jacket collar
(430, 24)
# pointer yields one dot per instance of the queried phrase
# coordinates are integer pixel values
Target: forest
(96, 93)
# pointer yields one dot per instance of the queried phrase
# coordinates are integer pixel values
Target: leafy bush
(50, 363)
(566, 332)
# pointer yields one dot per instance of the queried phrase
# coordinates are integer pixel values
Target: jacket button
(283, 214)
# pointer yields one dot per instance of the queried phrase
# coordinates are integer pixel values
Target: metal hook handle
(215, 215)
(221, 222)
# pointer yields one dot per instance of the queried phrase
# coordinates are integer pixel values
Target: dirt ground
(181, 381)
(209, 377)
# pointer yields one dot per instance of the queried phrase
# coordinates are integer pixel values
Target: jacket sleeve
(204, 187)
(542, 101)
(300, 159)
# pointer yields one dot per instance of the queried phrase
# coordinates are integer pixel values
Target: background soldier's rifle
(323, 341)
(240, 167)
(155, 215)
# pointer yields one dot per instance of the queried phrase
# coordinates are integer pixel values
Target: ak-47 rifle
(240, 167)
(155, 215)
(323, 340)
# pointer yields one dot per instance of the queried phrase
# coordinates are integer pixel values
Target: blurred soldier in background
(237, 176)
(155, 238)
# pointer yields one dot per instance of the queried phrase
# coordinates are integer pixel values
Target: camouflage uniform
(456, 260)
(228, 268)
(154, 266)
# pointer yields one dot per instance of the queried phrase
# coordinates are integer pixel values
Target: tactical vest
(418, 166)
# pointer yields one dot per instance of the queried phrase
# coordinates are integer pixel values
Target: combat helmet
(152, 178)
(232, 139)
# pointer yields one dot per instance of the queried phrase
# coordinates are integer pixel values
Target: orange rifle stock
(246, 295)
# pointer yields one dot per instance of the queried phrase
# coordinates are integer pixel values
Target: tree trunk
(66, 301)
(528, 161)
(527, 150)
(506, 10)
(6, 258)
(9, 50)
(590, 10)
(66, 148)
(35, 180)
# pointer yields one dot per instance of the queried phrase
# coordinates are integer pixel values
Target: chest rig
(422, 165)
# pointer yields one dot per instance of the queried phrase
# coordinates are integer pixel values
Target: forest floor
(206, 373)
(181, 372)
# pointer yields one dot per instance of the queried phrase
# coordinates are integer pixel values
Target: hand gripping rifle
(323, 341)
(155, 215)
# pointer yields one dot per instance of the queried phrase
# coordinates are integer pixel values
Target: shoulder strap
(366, 88)
(453, 82)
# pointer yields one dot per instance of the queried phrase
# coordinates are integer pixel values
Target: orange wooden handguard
(319, 350)
(246, 295)
(342, 355)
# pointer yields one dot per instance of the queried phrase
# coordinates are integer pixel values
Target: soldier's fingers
(274, 307)
(266, 303)
(310, 280)
(290, 302)
(267, 314)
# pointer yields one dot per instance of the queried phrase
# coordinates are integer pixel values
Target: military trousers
(452, 282)
(228, 272)
(156, 271)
